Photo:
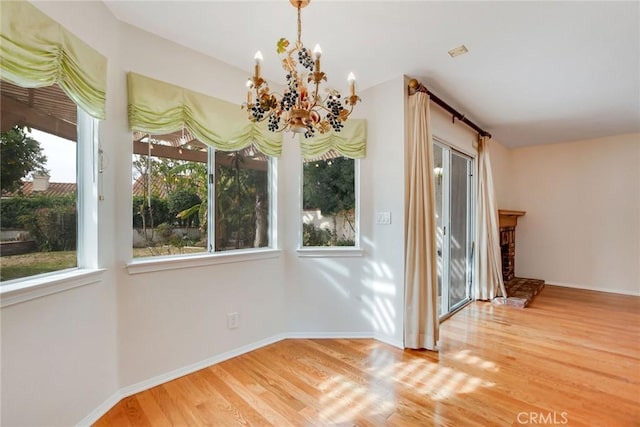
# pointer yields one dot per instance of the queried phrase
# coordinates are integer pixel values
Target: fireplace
(508, 221)
(520, 291)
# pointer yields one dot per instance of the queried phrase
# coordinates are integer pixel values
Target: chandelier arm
(315, 104)
(315, 96)
(284, 127)
(324, 108)
(277, 94)
(261, 120)
(323, 101)
(290, 51)
(350, 111)
(315, 99)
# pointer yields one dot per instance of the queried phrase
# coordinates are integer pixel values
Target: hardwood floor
(571, 358)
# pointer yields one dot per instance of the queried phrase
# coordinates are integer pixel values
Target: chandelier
(301, 108)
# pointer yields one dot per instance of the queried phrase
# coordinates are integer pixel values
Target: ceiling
(536, 72)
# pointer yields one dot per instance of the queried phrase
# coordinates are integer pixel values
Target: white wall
(455, 134)
(383, 190)
(59, 352)
(58, 356)
(582, 226)
(501, 172)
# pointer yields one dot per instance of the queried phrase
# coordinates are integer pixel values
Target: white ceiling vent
(457, 51)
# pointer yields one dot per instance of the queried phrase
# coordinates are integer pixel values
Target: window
(169, 195)
(242, 200)
(329, 208)
(190, 198)
(45, 198)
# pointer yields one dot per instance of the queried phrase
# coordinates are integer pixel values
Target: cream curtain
(351, 141)
(36, 51)
(157, 107)
(421, 317)
(489, 283)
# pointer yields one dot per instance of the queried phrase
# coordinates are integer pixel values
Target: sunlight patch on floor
(346, 399)
(465, 356)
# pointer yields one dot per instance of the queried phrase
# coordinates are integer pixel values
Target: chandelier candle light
(300, 109)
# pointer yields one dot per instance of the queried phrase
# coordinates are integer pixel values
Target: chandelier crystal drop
(301, 108)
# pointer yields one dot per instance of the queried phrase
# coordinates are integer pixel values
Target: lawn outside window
(49, 206)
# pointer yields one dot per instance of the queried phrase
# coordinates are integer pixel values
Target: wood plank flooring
(571, 358)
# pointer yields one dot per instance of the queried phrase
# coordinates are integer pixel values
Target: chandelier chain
(299, 25)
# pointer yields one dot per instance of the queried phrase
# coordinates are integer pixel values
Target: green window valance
(36, 51)
(351, 141)
(157, 107)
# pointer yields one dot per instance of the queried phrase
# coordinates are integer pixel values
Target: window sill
(150, 265)
(330, 252)
(21, 290)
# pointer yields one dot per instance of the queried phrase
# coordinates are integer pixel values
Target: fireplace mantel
(508, 218)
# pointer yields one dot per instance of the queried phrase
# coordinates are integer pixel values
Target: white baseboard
(180, 372)
(600, 289)
(328, 335)
(95, 415)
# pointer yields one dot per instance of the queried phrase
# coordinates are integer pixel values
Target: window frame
(330, 251)
(87, 269)
(211, 256)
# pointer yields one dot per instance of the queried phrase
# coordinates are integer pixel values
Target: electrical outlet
(233, 320)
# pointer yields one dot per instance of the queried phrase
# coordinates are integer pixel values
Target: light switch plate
(383, 218)
(233, 320)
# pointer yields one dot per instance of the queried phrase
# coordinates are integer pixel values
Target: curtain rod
(416, 86)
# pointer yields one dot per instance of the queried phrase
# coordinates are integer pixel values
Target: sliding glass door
(454, 208)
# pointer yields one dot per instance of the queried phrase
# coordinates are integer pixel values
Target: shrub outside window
(169, 188)
(329, 201)
(189, 198)
(242, 200)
